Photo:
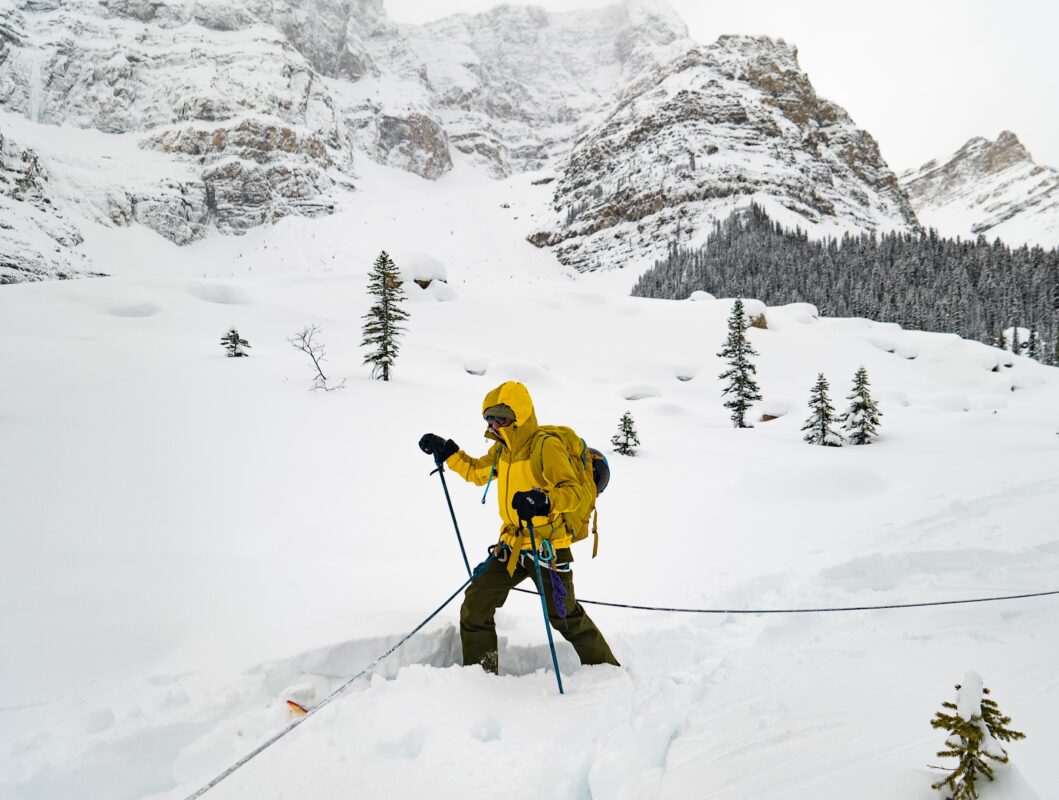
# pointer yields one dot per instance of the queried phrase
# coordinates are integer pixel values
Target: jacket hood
(516, 396)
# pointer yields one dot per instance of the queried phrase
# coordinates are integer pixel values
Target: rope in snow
(808, 610)
(291, 726)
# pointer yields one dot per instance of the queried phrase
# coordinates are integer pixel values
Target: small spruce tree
(626, 441)
(861, 422)
(382, 326)
(234, 345)
(818, 428)
(976, 727)
(737, 350)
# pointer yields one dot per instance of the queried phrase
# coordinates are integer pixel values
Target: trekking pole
(441, 473)
(544, 605)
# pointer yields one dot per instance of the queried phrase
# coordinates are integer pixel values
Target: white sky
(922, 76)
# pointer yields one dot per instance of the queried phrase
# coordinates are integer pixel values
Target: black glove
(533, 503)
(434, 445)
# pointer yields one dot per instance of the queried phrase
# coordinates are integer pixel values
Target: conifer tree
(976, 727)
(626, 441)
(822, 416)
(861, 422)
(741, 385)
(382, 327)
(234, 345)
(1032, 349)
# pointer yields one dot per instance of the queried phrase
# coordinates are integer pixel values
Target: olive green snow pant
(488, 592)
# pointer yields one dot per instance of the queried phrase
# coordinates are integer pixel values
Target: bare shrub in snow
(306, 342)
(976, 727)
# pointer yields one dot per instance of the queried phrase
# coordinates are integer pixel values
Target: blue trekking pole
(544, 605)
(441, 472)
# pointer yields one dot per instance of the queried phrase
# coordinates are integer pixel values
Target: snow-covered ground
(187, 540)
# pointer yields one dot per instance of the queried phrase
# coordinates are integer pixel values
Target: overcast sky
(922, 76)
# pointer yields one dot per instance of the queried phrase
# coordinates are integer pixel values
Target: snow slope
(187, 540)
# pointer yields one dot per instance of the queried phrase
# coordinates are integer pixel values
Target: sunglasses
(498, 422)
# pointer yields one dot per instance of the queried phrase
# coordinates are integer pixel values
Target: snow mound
(414, 266)
(700, 296)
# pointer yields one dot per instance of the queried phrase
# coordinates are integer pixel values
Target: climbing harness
(501, 551)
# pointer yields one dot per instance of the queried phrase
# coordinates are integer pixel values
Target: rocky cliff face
(514, 85)
(992, 189)
(36, 240)
(242, 113)
(716, 127)
(255, 134)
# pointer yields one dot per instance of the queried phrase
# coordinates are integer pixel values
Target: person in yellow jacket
(535, 481)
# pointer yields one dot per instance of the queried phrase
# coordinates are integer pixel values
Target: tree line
(976, 289)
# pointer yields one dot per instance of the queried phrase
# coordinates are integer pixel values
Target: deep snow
(187, 539)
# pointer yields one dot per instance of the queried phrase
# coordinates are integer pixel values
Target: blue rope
(492, 472)
(290, 727)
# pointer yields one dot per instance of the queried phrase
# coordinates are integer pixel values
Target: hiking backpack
(583, 460)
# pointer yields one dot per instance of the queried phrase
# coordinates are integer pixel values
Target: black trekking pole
(544, 605)
(441, 472)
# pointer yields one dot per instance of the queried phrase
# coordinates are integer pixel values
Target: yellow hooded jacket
(522, 460)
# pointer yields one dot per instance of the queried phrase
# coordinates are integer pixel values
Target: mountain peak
(982, 156)
(1005, 151)
(782, 54)
(989, 187)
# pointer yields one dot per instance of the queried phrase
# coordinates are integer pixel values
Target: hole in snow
(475, 365)
(639, 392)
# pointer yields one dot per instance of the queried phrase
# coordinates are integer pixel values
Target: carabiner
(500, 551)
(545, 551)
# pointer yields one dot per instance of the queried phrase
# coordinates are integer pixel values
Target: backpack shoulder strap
(537, 452)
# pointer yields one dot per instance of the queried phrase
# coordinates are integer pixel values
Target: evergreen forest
(976, 289)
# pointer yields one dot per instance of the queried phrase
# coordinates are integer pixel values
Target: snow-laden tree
(818, 428)
(382, 326)
(976, 727)
(626, 441)
(741, 387)
(861, 421)
(235, 346)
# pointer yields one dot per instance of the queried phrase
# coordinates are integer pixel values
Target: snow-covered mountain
(227, 116)
(685, 144)
(993, 189)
